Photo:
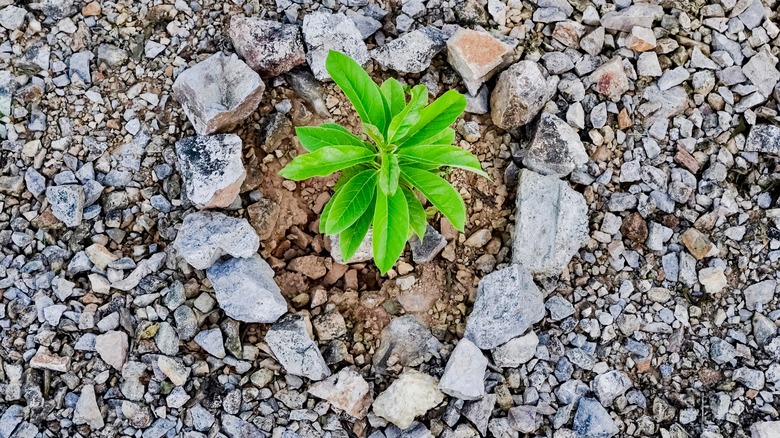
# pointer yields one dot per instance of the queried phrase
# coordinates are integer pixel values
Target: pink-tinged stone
(610, 79)
(346, 390)
(641, 39)
(476, 56)
(45, 360)
(112, 347)
(569, 33)
(218, 93)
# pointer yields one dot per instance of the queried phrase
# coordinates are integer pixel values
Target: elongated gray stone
(521, 92)
(412, 52)
(246, 290)
(293, 347)
(206, 236)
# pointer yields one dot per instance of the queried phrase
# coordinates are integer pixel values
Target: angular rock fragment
(764, 429)
(174, 369)
(67, 203)
(764, 138)
(610, 79)
(508, 303)
(698, 244)
(555, 148)
(610, 385)
(87, 410)
(551, 224)
(405, 341)
(640, 14)
(212, 169)
(44, 359)
(592, 420)
(12, 17)
(246, 290)
(517, 351)
(267, 46)
(411, 395)
(412, 52)
(292, 345)
(211, 341)
(324, 31)
(520, 94)
(346, 390)
(112, 347)
(218, 92)
(429, 247)
(364, 253)
(206, 236)
(476, 56)
(7, 87)
(464, 374)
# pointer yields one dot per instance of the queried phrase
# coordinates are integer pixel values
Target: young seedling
(410, 143)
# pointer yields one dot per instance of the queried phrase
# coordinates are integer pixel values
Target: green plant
(410, 144)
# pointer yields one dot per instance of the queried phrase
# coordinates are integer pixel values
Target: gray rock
(508, 303)
(79, 67)
(672, 78)
(12, 17)
(763, 329)
(516, 352)
(218, 93)
(267, 46)
(292, 345)
(721, 351)
(520, 94)
(406, 341)
(560, 308)
(476, 56)
(11, 418)
(36, 183)
(411, 395)
(246, 290)
(524, 419)
(412, 52)
(464, 374)
(761, 71)
(235, 427)
(174, 369)
(211, 341)
(346, 390)
(202, 420)
(764, 138)
(212, 169)
(593, 421)
(764, 429)
(610, 385)
(87, 411)
(555, 148)
(364, 253)
(759, 294)
(431, 245)
(67, 203)
(111, 55)
(167, 339)
(7, 87)
(205, 236)
(551, 224)
(159, 428)
(753, 379)
(641, 14)
(366, 25)
(324, 31)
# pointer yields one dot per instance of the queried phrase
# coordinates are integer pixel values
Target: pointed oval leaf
(409, 116)
(359, 88)
(435, 117)
(325, 161)
(393, 92)
(388, 174)
(352, 200)
(435, 156)
(391, 229)
(318, 137)
(441, 194)
(418, 221)
(326, 212)
(351, 238)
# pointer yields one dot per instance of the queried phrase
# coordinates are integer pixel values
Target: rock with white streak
(412, 52)
(246, 290)
(218, 92)
(12, 17)
(406, 341)
(521, 92)
(267, 46)
(464, 374)
(212, 169)
(292, 345)
(206, 236)
(323, 32)
(551, 224)
(67, 203)
(411, 395)
(476, 56)
(508, 303)
(640, 14)
(346, 390)
(555, 148)
(87, 410)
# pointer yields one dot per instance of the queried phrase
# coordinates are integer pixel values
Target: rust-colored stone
(634, 228)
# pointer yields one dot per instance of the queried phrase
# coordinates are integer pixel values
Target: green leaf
(446, 136)
(441, 194)
(393, 92)
(351, 238)
(375, 134)
(359, 88)
(388, 174)
(348, 173)
(352, 200)
(418, 221)
(326, 211)
(325, 161)
(435, 156)
(391, 229)
(407, 118)
(317, 137)
(435, 117)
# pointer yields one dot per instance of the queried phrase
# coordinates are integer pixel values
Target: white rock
(411, 395)
(464, 374)
(323, 32)
(87, 411)
(346, 390)
(206, 236)
(516, 352)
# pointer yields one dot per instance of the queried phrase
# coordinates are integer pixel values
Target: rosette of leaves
(406, 150)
